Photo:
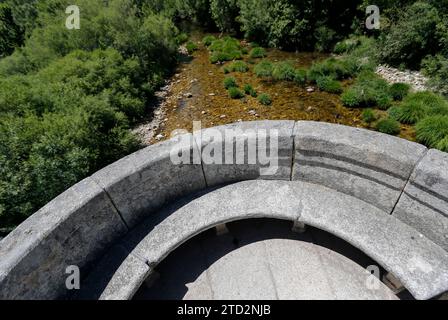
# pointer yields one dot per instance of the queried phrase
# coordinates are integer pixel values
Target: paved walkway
(263, 259)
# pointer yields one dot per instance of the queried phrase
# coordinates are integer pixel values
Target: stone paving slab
(297, 270)
(242, 275)
(271, 261)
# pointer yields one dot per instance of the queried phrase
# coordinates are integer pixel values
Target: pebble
(160, 137)
(310, 89)
(223, 116)
(414, 78)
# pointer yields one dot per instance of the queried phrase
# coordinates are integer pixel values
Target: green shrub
(182, 38)
(69, 97)
(419, 105)
(352, 98)
(432, 131)
(383, 100)
(191, 47)
(368, 90)
(265, 99)
(235, 93)
(442, 145)
(336, 68)
(394, 112)
(410, 112)
(292, 24)
(11, 35)
(328, 84)
(224, 13)
(368, 115)
(226, 70)
(399, 91)
(226, 49)
(257, 52)
(413, 37)
(325, 39)
(347, 45)
(249, 90)
(264, 69)
(230, 82)
(238, 66)
(283, 71)
(300, 77)
(208, 40)
(436, 68)
(389, 126)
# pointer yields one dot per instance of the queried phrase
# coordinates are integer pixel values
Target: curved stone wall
(402, 180)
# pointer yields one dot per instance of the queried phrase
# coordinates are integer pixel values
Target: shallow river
(197, 93)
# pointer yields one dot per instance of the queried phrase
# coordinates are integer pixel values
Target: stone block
(368, 165)
(247, 151)
(424, 203)
(143, 182)
(73, 229)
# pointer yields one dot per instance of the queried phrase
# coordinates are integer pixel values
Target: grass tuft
(388, 126)
(328, 84)
(238, 66)
(265, 99)
(235, 93)
(249, 90)
(368, 116)
(230, 82)
(432, 131)
(264, 69)
(257, 52)
(399, 91)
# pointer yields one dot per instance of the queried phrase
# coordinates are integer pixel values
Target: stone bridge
(385, 196)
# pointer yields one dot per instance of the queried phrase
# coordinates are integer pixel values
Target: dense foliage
(68, 97)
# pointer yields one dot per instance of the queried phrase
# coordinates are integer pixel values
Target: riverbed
(196, 93)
